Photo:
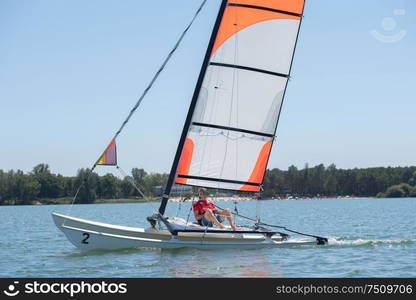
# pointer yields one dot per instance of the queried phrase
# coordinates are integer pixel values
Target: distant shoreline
(66, 201)
(41, 186)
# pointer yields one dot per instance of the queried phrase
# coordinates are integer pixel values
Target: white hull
(89, 235)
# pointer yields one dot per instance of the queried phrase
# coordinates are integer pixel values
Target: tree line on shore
(17, 187)
(330, 181)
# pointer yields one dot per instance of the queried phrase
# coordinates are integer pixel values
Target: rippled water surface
(367, 238)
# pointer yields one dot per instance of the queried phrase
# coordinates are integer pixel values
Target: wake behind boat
(227, 136)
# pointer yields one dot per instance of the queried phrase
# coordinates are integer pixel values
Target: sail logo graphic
(389, 25)
(11, 290)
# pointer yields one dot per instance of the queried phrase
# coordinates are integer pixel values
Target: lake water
(367, 238)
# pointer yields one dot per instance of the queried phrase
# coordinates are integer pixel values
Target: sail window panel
(239, 98)
(295, 6)
(257, 39)
(224, 155)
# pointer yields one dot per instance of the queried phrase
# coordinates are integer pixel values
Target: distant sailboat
(228, 132)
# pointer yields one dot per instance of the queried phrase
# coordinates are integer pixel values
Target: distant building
(177, 190)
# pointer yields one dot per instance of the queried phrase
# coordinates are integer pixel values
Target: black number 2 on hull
(86, 237)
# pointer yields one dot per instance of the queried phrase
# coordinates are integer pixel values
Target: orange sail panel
(109, 156)
(185, 162)
(236, 114)
(238, 18)
(293, 6)
(258, 171)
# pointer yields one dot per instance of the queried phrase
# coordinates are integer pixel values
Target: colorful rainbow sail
(109, 156)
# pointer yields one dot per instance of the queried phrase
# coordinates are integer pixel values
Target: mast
(192, 106)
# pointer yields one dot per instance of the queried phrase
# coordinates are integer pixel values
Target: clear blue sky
(71, 70)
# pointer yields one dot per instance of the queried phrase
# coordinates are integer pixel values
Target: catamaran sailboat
(227, 135)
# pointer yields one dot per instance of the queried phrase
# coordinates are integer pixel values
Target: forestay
(233, 126)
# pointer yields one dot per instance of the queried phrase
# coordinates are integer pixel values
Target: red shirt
(200, 206)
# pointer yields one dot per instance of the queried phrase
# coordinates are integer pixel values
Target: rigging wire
(144, 93)
(132, 182)
(132, 111)
(124, 174)
(73, 199)
(190, 210)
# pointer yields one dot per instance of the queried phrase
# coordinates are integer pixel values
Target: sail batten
(248, 68)
(295, 6)
(218, 180)
(290, 13)
(233, 129)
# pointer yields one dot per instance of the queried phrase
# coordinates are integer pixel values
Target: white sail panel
(240, 99)
(224, 159)
(236, 113)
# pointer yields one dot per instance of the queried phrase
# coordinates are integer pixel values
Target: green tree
(25, 188)
(330, 181)
(394, 192)
(49, 184)
(29, 189)
(152, 180)
(316, 180)
(139, 176)
(87, 182)
(126, 187)
(3, 187)
(400, 190)
(292, 178)
(304, 176)
(412, 179)
(109, 186)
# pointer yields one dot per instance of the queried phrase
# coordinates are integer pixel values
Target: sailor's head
(202, 193)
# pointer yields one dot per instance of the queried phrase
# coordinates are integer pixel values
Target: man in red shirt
(207, 214)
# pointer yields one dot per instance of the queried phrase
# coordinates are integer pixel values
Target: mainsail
(235, 115)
